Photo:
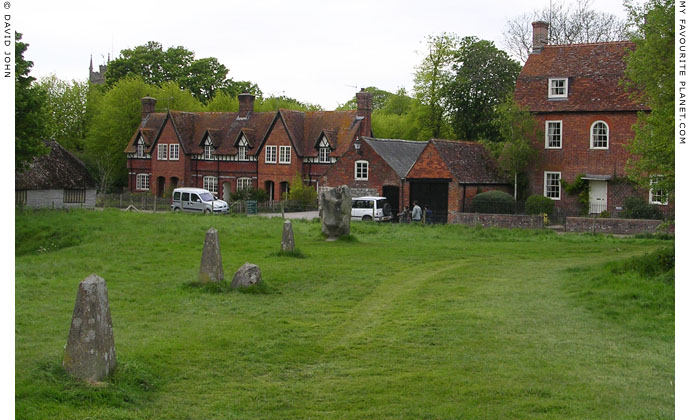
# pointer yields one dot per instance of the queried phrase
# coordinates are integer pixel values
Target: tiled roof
(304, 128)
(469, 162)
(594, 72)
(399, 154)
(59, 169)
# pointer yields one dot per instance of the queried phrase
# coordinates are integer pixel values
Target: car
(370, 209)
(197, 200)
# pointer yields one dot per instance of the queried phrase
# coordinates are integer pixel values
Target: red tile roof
(468, 162)
(594, 72)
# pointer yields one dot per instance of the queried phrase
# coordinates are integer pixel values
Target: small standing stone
(90, 350)
(211, 261)
(335, 207)
(288, 242)
(247, 275)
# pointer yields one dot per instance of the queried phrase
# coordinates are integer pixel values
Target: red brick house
(576, 95)
(228, 151)
(449, 173)
(376, 167)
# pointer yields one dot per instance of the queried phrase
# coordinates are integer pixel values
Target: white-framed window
(211, 184)
(558, 87)
(143, 182)
(140, 148)
(324, 151)
(244, 184)
(361, 170)
(599, 135)
(242, 147)
(554, 134)
(552, 185)
(174, 152)
(162, 152)
(208, 149)
(271, 154)
(657, 195)
(285, 156)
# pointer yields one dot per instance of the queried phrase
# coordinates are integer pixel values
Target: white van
(197, 200)
(371, 208)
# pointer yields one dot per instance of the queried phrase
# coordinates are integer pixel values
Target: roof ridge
(398, 140)
(588, 44)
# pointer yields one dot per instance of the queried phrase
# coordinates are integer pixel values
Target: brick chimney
(364, 100)
(540, 35)
(148, 106)
(246, 104)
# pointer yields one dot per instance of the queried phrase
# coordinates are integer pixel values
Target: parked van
(197, 200)
(371, 208)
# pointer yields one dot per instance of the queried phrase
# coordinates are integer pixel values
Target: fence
(151, 202)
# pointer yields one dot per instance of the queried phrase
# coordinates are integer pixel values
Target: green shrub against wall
(495, 202)
(538, 204)
(635, 207)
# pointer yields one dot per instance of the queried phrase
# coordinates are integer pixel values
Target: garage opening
(392, 194)
(432, 195)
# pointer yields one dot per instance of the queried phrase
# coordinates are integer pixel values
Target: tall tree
(650, 70)
(431, 76)
(66, 111)
(571, 24)
(481, 78)
(29, 115)
(378, 100)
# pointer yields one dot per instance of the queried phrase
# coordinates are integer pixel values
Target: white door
(597, 196)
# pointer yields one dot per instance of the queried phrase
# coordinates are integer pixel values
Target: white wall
(53, 199)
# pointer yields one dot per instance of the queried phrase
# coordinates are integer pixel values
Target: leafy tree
(378, 100)
(481, 78)
(570, 24)
(66, 111)
(274, 103)
(431, 76)
(303, 194)
(398, 103)
(650, 70)
(29, 115)
(171, 97)
(222, 102)
(517, 128)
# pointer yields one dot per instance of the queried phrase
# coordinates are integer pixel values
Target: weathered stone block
(90, 351)
(288, 242)
(247, 275)
(211, 261)
(335, 207)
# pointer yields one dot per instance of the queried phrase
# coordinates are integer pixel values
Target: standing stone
(90, 350)
(211, 261)
(288, 242)
(335, 206)
(247, 275)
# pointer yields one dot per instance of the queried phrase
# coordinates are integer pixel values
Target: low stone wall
(497, 220)
(613, 226)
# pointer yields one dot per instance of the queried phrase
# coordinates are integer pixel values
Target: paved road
(305, 215)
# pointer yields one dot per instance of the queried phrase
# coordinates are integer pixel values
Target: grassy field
(397, 322)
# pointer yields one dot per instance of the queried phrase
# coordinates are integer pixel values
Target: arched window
(599, 136)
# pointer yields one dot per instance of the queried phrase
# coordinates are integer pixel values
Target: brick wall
(277, 172)
(613, 226)
(497, 220)
(167, 169)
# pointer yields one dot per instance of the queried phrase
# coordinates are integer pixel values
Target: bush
(250, 194)
(635, 207)
(496, 202)
(538, 204)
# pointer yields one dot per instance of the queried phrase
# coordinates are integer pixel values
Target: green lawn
(399, 322)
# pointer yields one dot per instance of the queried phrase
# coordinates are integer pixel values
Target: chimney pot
(246, 101)
(540, 35)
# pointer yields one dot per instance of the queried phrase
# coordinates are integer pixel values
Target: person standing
(416, 212)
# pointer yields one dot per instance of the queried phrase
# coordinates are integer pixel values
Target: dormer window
(140, 147)
(242, 147)
(558, 88)
(324, 151)
(208, 149)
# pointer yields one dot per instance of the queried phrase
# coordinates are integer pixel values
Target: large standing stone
(247, 275)
(211, 261)
(288, 242)
(335, 206)
(90, 350)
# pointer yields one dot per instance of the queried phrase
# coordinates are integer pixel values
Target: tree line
(462, 90)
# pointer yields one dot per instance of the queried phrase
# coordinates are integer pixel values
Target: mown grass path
(413, 322)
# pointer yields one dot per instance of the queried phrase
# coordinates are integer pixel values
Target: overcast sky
(315, 51)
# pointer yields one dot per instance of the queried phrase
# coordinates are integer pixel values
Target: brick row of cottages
(574, 91)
